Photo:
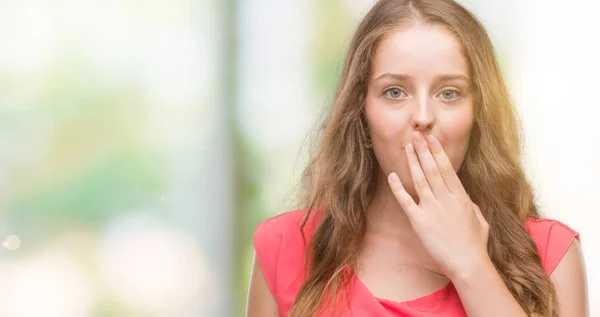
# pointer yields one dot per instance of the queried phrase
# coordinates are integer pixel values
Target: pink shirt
(280, 252)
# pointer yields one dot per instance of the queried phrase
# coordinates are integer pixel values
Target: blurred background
(142, 141)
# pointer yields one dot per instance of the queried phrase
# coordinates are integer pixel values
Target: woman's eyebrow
(449, 77)
(438, 78)
(400, 76)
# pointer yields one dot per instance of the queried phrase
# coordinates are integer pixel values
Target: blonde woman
(415, 202)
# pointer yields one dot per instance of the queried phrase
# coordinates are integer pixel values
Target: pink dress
(280, 253)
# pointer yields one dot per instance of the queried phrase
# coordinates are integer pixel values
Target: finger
(404, 199)
(445, 166)
(429, 166)
(420, 182)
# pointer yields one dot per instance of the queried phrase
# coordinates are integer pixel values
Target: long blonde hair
(342, 174)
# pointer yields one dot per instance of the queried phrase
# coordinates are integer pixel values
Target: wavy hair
(342, 174)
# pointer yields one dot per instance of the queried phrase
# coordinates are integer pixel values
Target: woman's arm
(260, 300)
(455, 233)
(483, 292)
(569, 280)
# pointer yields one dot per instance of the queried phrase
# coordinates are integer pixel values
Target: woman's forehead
(421, 50)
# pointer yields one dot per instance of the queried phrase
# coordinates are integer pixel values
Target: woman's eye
(449, 94)
(394, 93)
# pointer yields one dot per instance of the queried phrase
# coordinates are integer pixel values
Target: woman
(416, 203)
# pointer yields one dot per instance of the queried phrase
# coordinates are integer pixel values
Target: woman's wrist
(475, 271)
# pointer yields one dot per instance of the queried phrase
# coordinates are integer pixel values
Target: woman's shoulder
(280, 245)
(288, 224)
(282, 222)
(552, 238)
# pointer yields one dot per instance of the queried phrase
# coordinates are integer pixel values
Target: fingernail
(393, 178)
(409, 148)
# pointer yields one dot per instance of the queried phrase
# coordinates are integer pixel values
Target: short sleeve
(552, 238)
(267, 245)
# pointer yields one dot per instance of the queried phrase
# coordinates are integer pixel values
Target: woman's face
(419, 82)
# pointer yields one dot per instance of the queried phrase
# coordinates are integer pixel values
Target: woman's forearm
(483, 293)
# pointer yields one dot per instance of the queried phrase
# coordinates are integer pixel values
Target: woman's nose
(422, 117)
